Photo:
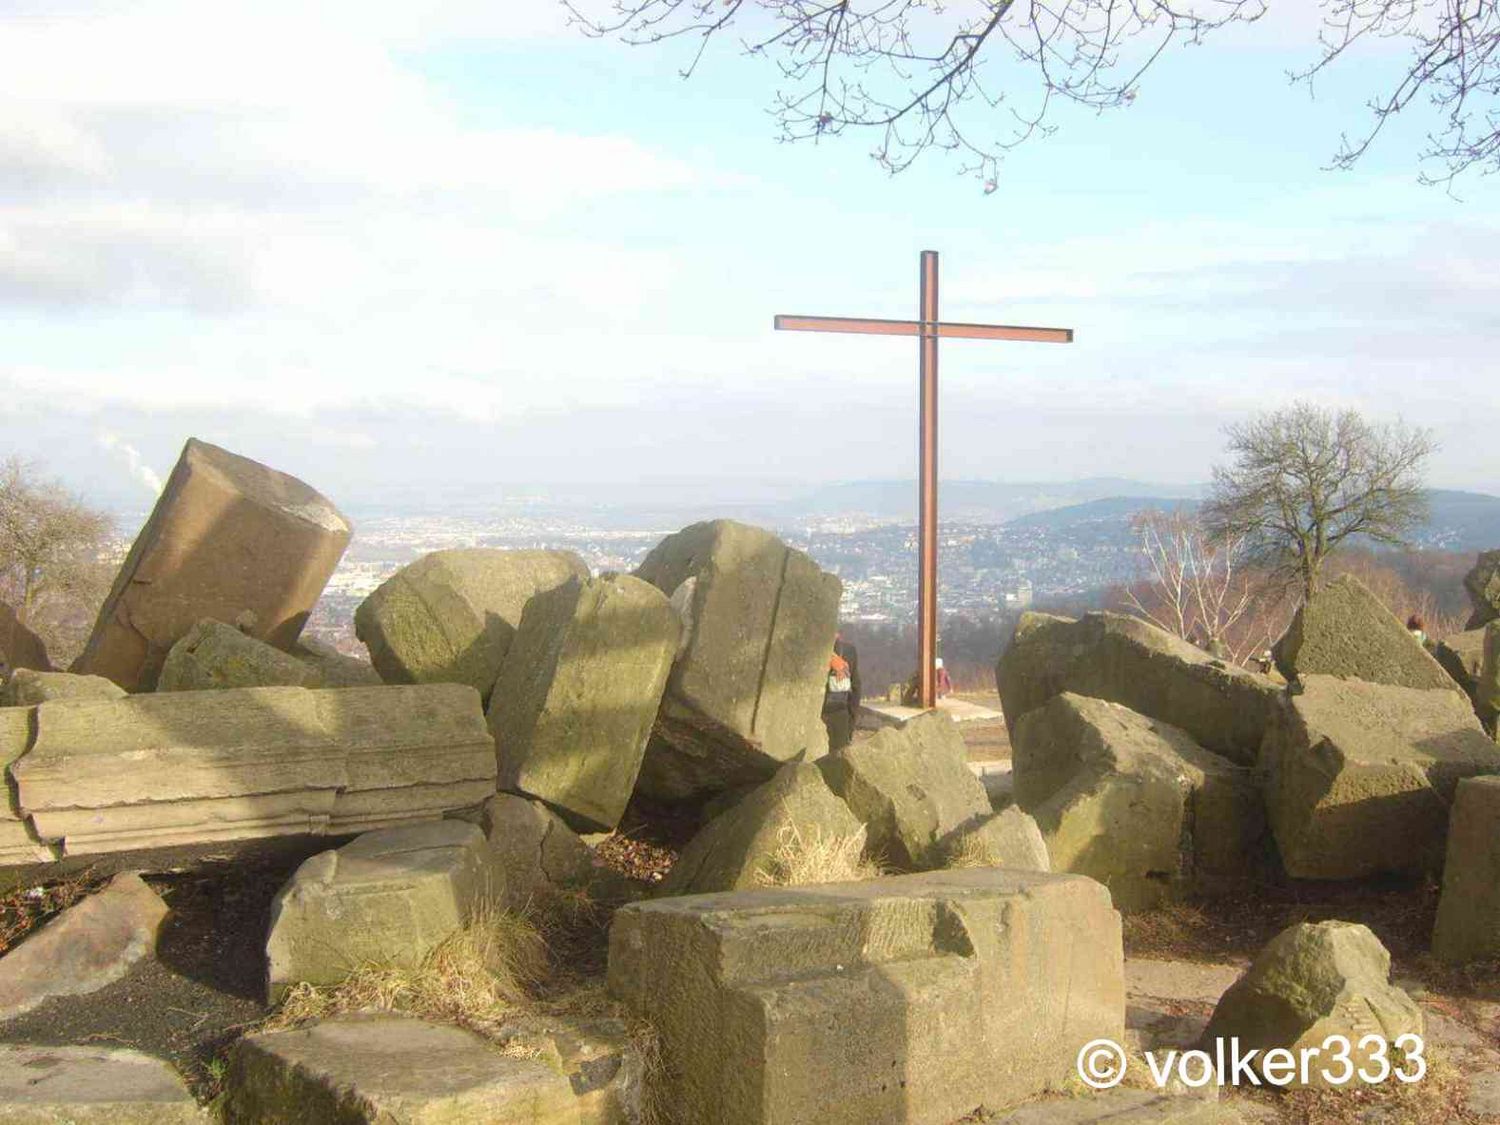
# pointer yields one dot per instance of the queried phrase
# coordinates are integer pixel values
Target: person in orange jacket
(841, 693)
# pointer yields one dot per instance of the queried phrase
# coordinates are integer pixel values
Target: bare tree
(50, 546)
(899, 70)
(1306, 479)
(1193, 584)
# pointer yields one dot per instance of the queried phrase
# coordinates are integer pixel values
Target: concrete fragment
(916, 999)
(27, 688)
(1316, 980)
(1344, 630)
(1125, 660)
(387, 898)
(578, 693)
(91, 1086)
(450, 616)
(746, 694)
(379, 1069)
(753, 841)
(89, 945)
(228, 539)
(1468, 917)
(912, 788)
(1134, 802)
(1359, 776)
(214, 655)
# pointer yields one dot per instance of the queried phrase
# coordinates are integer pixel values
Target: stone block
(388, 898)
(1125, 660)
(213, 655)
(746, 693)
(1482, 584)
(578, 693)
(534, 853)
(28, 688)
(917, 999)
(1468, 917)
(450, 616)
(42, 1085)
(1010, 838)
(1359, 777)
(912, 788)
(229, 539)
(19, 646)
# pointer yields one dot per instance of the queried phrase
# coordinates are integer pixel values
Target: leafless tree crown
(1305, 479)
(900, 70)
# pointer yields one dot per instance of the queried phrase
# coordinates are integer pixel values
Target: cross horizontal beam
(945, 329)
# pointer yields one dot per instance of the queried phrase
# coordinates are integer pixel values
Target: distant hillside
(974, 501)
(1458, 521)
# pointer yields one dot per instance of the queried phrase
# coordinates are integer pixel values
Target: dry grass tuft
(475, 978)
(972, 849)
(25, 909)
(802, 859)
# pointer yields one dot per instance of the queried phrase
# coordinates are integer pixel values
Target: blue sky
(450, 249)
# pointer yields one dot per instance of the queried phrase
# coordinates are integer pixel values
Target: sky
(456, 250)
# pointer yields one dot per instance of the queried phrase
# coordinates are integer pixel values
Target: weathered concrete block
(739, 848)
(1126, 660)
(450, 616)
(379, 1069)
(87, 946)
(912, 788)
(746, 693)
(229, 539)
(28, 688)
(1344, 630)
(214, 655)
(386, 898)
(91, 1086)
(578, 693)
(19, 646)
(1483, 586)
(1360, 777)
(1468, 917)
(916, 999)
(1135, 803)
(1311, 982)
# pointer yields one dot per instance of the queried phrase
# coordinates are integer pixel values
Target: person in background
(841, 695)
(1415, 627)
(944, 683)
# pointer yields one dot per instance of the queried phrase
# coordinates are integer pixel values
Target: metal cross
(929, 329)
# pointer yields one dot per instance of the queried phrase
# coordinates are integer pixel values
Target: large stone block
(19, 646)
(578, 693)
(334, 668)
(1483, 586)
(451, 615)
(19, 843)
(746, 692)
(1135, 803)
(43, 1085)
(912, 788)
(229, 539)
(739, 848)
(1359, 777)
(213, 655)
(384, 1069)
(1129, 661)
(1010, 838)
(196, 767)
(1468, 917)
(1487, 683)
(388, 898)
(1311, 982)
(916, 1000)
(535, 853)
(1461, 655)
(27, 688)
(1344, 630)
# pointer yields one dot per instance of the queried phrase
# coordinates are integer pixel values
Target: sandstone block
(1461, 655)
(535, 853)
(19, 646)
(1468, 918)
(917, 999)
(91, 1086)
(214, 655)
(754, 840)
(912, 788)
(229, 539)
(1122, 659)
(386, 898)
(578, 693)
(1487, 683)
(375, 1069)
(87, 946)
(450, 616)
(27, 688)
(1010, 838)
(334, 668)
(1344, 630)
(746, 693)
(1359, 777)
(1483, 586)
(1135, 803)
(1313, 981)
